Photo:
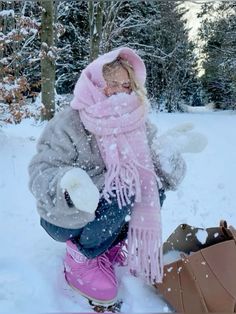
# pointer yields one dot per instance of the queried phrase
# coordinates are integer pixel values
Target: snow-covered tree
(157, 30)
(85, 29)
(96, 15)
(218, 32)
(19, 57)
(176, 65)
(72, 41)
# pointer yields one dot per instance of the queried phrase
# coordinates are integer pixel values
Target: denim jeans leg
(58, 233)
(109, 225)
(107, 229)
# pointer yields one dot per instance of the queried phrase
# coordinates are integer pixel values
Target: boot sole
(95, 301)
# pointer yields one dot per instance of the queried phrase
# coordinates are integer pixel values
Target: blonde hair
(139, 89)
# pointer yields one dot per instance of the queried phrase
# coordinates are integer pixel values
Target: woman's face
(118, 81)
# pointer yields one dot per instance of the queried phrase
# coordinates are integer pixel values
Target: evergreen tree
(219, 49)
(175, 69)
(157, 30)
(72, 43)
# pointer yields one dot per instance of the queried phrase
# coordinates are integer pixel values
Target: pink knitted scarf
(118, 122)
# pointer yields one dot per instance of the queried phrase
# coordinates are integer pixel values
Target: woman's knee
(58, 233)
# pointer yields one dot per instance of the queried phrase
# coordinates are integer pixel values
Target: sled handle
(223, 223)
(228, 231)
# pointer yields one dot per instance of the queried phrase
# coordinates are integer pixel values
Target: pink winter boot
(94, 278)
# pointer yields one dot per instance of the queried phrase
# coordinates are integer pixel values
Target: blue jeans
(107, 229)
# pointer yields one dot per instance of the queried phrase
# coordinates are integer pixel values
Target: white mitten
(181, 139)
(83, 192)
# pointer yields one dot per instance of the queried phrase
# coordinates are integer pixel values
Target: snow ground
(31, 272)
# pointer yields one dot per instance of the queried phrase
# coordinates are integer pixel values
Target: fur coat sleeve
(63, 145)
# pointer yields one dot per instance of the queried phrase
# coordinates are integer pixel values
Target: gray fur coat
(65, 144)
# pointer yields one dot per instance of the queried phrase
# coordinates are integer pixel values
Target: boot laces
(106, 267)
(120, 255)
(101, 262)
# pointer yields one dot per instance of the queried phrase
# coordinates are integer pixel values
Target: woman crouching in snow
(98, 182)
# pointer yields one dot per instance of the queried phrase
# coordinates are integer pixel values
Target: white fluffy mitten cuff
(182, 139)
(83, 192)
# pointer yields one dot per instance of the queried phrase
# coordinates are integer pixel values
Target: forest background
(45, 45)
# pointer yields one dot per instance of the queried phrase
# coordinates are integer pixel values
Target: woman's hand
(181, 139)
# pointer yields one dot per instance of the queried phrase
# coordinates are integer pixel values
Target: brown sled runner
(203, 279)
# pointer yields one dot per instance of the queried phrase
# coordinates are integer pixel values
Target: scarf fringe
(145, 254)
(125, 181)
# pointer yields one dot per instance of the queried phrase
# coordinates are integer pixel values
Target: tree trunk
(96, 24)
(47, 60)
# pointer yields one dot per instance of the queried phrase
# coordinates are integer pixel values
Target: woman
(97, 181)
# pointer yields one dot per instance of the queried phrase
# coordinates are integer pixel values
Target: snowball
(127, 218)
(179, 269)
(166, 309)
